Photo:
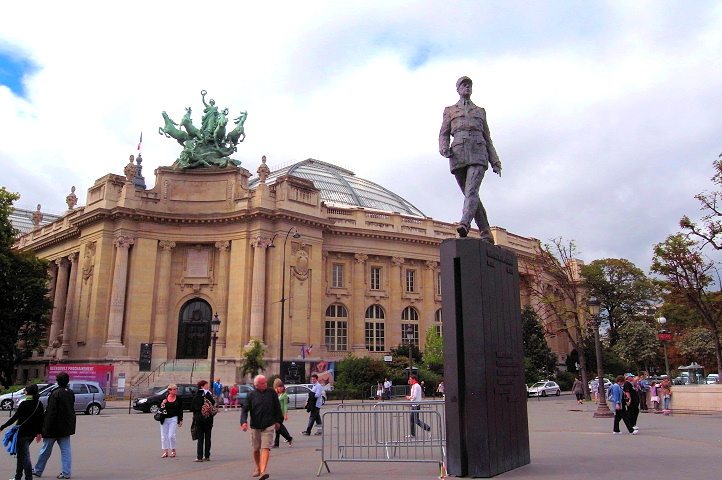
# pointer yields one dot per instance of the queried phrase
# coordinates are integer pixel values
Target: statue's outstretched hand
(496, 169)
(446, 152)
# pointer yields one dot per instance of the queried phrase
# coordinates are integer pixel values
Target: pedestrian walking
(266, 416)
(203, 408)
(440, 389)
(416, 399)
(29, 417)
(282, 431)
(58, 426)
(630, 390)
(578, 390)
(643, 388)
(313, 406)
(218, 391)
(172, 419)
(387, 389)
(619, 399)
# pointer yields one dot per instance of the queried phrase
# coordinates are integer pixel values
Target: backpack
(208, 409)
(610, 393)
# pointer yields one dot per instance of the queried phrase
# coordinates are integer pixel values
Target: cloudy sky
(606, 115)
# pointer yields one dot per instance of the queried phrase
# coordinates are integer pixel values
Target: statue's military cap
(458, 82)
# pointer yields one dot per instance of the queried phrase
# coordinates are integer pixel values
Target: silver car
(544, 388)
(8, 400)
(298, 394)
(89, 396)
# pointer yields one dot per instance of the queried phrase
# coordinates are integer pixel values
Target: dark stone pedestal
(486, 419)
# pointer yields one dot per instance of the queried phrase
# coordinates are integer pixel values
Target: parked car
(310, 386)
(680, 381)
(607, 384)
(243, 391)
(150, 403)
(298, 394)
(544, 388)
(89, 396)
(712, 378)
(8, 400)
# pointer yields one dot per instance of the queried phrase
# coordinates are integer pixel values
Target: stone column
(52, 278)
(160, 317)
(222, 310)
(258, 292)
(60, 299)
(358, 329)
(428, 294)
(70, 302)
(117, 296)
(396, 289)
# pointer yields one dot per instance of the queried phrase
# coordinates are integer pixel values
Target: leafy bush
(355, 376)
(565, 380)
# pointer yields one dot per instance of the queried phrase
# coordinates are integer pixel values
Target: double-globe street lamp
(283, 294)
(215, 327)
(603, 410)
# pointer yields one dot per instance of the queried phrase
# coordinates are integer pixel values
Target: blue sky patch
(12, 71)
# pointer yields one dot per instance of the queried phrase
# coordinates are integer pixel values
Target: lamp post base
(603, 410)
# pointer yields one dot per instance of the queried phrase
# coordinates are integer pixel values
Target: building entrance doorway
(194, 329)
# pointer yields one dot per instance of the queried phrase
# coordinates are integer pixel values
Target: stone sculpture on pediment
(37, 217)
(71, 199)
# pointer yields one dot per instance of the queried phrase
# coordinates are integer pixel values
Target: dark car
(150, 403)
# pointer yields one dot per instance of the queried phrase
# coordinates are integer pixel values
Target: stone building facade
(153, 266)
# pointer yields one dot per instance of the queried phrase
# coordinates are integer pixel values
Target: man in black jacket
(59, 425)
(266, 417)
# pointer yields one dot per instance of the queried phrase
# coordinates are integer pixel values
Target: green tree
(697, 345)
(24, 306)
(554, 277)
(689, 275)
(434, 351)
(637, 343)
(253, 361)
(623, 290)
(356, 377)
(539, 361)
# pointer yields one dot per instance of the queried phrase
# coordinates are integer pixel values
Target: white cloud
(606, 115)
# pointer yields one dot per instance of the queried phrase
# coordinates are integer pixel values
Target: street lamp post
(215, 326)
(664, 336)
(603, 410)
(283, 295)
(410, 338)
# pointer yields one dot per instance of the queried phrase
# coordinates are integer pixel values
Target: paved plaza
(566, 443)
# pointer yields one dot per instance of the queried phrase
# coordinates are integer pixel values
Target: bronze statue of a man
(469, 155)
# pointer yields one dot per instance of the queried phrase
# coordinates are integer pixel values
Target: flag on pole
(308, 350)
(141, 140)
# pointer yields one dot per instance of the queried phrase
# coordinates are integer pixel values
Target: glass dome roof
(341, 187)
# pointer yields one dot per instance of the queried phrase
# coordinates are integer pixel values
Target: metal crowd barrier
(382, 432)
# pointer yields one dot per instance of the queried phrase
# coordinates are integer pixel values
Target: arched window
(409, 315)
(438, 324)
(336, 332)
(375, 329)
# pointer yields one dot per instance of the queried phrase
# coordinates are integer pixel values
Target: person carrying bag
(29, 423)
